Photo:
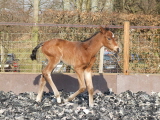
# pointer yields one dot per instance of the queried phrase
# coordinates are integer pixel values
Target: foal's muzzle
(117, 50)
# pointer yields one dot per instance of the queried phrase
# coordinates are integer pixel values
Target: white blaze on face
(112, 35)
(116, 47)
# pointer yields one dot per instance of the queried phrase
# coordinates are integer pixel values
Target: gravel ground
(124, 106)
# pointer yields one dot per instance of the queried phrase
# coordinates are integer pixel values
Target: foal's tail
(34, 51)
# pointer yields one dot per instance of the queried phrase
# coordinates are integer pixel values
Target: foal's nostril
(117, 49)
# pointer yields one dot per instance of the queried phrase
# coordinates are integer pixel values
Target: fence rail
(143, 55)
(74, 25)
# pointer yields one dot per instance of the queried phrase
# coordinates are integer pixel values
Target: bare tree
(94, 6)
(88, 5)
(137, 6)
(108, 5)
(147, 6)
(66, 4)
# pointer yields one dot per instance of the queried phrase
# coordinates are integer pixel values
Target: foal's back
(69, 52)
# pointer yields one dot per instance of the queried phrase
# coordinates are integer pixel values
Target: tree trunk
(109, 5)
(88, 5)
(35, 30)
(94, 6)
(79, 5)
(66, 4)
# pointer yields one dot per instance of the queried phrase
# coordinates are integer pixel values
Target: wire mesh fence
(144, 53)
(21, 45)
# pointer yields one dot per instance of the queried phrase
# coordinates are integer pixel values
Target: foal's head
(108, 39)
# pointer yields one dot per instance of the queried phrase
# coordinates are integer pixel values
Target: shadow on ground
(69, 83)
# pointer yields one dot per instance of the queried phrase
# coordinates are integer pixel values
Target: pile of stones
(124, 106)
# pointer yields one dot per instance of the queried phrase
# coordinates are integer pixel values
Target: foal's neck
(94, 45)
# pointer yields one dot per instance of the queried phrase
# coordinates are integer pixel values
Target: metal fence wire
(144, 52)
(22, 44)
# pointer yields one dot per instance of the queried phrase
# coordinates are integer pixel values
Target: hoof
(66, 100)
(38, 100)
(91, 105)
(59, 100)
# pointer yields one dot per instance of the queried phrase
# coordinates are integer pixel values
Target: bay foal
(81, 55)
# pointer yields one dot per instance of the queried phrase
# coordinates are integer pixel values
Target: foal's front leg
(82, 86)
(88, 79)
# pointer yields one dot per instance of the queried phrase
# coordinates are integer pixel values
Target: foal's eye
(109, 38)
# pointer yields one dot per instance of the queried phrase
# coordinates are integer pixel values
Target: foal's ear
(102, 30)
(106, 28)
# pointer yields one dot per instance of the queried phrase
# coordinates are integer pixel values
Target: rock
(86, 111)
(1, 111)
(123, 106)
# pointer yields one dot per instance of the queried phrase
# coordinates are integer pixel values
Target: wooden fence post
(101, 60)
(126, 48)
(2, 54)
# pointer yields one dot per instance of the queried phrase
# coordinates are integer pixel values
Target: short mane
(107, 29)
(90, 37)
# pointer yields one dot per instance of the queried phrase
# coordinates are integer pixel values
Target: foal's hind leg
(47, 76)
(42, 83)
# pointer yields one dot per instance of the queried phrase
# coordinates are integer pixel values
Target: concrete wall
(26, 82)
